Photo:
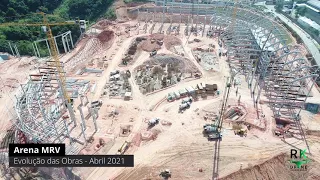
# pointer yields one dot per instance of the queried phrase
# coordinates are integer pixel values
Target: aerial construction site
(194, 90)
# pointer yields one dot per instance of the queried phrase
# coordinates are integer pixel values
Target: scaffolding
(257, 47)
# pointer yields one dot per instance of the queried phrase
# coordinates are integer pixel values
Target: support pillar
(37, 50)
(95, 116)
(17, 51)
(83, 133)
(71, 40)
(55, 42)
(48, 47)
(82, 117)
(34, 50)
(64, 44)
(11, 49)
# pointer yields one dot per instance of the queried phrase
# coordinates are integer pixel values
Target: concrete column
(71, 40)
(55, 42)
(34, 50)
(37, 50)
(95, 116)
(82, 117)
(67, 130)
(68, 45)
(11, 49)
(83, 133)
(64, 44)
(17, 51)
(48, 47)
(72, 115)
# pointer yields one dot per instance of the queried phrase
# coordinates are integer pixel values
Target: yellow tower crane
(54, 52)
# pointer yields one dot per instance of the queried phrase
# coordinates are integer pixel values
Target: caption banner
(53, 155)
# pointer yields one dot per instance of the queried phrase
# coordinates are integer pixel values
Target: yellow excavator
(241, 132)
(124, 147)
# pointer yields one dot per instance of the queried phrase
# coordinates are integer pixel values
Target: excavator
(165, 174)
(241, 132)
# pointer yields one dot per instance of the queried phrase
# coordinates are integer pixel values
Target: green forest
(57, 10)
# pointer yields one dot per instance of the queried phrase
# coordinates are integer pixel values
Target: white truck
(184, 106)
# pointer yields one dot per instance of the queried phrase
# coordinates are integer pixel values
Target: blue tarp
(4, 57)
(312, 107)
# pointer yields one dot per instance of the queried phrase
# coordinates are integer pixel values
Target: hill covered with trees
(59, 10)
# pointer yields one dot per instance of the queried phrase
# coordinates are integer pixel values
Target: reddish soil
(170, 41)
(274, 169)
(105, 36)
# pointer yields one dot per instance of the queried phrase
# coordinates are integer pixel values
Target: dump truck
(153, 122)
(153, 53)
(184, 106)
(165, 174)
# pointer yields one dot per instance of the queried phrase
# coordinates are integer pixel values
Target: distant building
(308, 23)
(313, 10)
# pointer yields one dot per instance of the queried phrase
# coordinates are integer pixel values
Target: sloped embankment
(275, 169)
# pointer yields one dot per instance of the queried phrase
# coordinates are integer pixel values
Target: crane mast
(53, 48)
(55, 56)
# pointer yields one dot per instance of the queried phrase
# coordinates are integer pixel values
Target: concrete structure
(257, 48)
(66, 39)
(308, 23)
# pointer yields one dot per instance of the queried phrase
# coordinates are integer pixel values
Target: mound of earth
(105, 36)
(170, 41)
(275, 169)
(179, 64)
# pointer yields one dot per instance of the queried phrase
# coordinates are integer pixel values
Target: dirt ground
(181, 146)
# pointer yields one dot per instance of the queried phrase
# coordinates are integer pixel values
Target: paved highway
(308, 41)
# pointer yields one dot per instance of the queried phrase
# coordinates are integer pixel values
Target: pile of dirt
(170, 41)
(157, 36)
(149, 46)
(105, 36)
(275, 169)
(103, 24)
(177, 64)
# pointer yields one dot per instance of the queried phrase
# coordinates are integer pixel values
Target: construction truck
(96, 104)
(153, 122)
(241, 132)
(214, 136)
(184, 106)
(210, 128)
(186, 100)
(153, 53)
(166, 174)
(124, 147)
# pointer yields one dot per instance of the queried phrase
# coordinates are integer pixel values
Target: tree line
(59, 10)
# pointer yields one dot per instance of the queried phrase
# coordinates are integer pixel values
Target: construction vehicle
(96, 103)
(124, 147)
(166, 174)
(214, 136)
(153, 122)
(184, 106)
(241, 132)
(114, 72)
(153, 53)
(186, 100)
(209, 128)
